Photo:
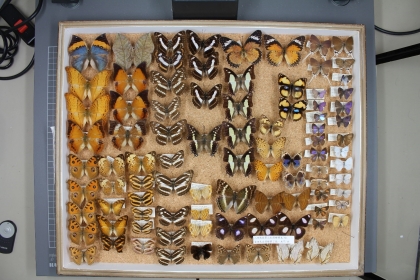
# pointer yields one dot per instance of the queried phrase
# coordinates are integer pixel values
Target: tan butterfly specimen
(262, 202)
(146, 246)
(111, 207)
(142, 227)
(79, 193)
(127, 136)
(79, 167)
(137, 164)
(83, 88)
(117, 242)
(257, 253)
(115, 229)
(266, 126)
(321, 193)
(340, 45)
(79, 234)
(321, 210)
(78, 256)
(80, 215)
(265, 150)
(200, 214)
(109, 165)
(203, 228)
(110, 187)
(340, 221)
(142, 214)
(224, 254)
(199, 191)
(142, 182)
(144, 199)
(301, 199)
(79, 140)
(81, 115)
(319, 170)
(272, 171)
(344, 140)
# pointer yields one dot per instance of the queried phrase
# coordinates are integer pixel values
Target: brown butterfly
(262, 202)
(131, 136)
(321, 211)
(302, 199)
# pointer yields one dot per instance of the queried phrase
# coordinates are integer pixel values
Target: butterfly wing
(243, 198)
(275, 51)
(78, 52)
(293, 49)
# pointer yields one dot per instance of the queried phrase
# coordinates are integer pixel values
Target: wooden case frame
(356, 264)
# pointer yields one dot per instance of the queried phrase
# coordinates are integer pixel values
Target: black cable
(396, 33)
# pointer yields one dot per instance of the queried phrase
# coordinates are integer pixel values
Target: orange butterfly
(85, 214)
(79, 140)
(81, 115)
(78, 193)
(130, 136)
(262, 202)
(272, 171)
(79, 234)
(126, 109)
(79, 167)
(302, 199)
(136, 81)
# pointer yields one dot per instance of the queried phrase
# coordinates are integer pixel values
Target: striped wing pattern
(177, 218)
(166, 256)
(167, 238)
(180, 185)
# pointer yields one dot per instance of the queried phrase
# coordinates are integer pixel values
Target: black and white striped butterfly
(243, 107)
(204, 69)
(204, 142)
(195, 44)
(177, 218)
(239, 81)
(227, 197)
(167, 256)
(180, 185)
(238, 162)
(167, 238)
(165, 134)
(165, 45)
(166, 62)
(176, 160)
(201, 97)
(174, 84)
(236, 135)
(169, 111)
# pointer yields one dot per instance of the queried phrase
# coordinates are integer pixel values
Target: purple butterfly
(345, 79)
(340, 108)
(319, 94)
(319, 106)
(318, 154)
(320, 117)
(345, 92)
(318, 140)
(343, 121)
(318, 129)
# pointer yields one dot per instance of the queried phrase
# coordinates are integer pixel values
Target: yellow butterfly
(86, 214)
(79, 167)
(79, 193)
(83, 88)
(111, 207)
(267, 126)
(115, 229)
(137, 200)
(137, 164)
(340, 221)
(199, 191)
(202, 228)
(78, 256)
(265, 150)
(200, 214)
(263, 171)
(139, 214)
(142, 227)
(109, 165)
(142, 182)
(112, 187)
(93, 139)
(86, 234)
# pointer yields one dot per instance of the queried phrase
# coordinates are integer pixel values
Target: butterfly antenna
(348, 234)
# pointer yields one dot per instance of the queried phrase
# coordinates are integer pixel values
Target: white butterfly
(294, 252)
(315, 250)
(340, 152)
(343, 193)
(325, 254)
(340, 164)
(342, 178)
(341, 204)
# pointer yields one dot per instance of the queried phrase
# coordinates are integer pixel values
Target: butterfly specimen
(142, 213)
(340, 152)
(126, 53)
(298, 180)
(297, 229)
(109, 165)
(112, 187)
(288, 160)
(253, 254)
(177, 218)
(169, 111)
(341, 204)
(248, 52)
(198, 251)
(340, 221)
(117, 243)
(167, 256)
(124, 136)
(340, 164)
(265, 150)
(195, 44)
(344, 63)
(287, 88)
(200, 214)
(266, 126)
(318, 129)
(81, 115)
(166, 45)
(224, 228)
(84, 214)
(204, 69)
(236, 135)
(108, 207)
(167, 238)
(319, 94)
(290, 251)
(238, 162)
(146, 247)
(136, 164)
(295, 110)
(318, 140)
(227, 197)
(140, 227)
(340, 45)
(180, 185)
(141, 199)
(239, 81)
(166, 62)
(124, 110)
(205, 141)
(243, 107)
(80, 234)
(345, 121)
(115, 229)
(318, 154)
(223, 254)
(174, 84)
(199, 191)
(318, 45)
(96, 56)
(319, 170)
(345, 79)
(91, 89)
(271, 171)
(276, 52)
(319, 183)
(325, 254)
(201, 97)
(262, 202)
(142, 182)
(79, 193)
(343, 193)
(302, 199)
(79, 256)
(321, 211)
(319, 223)
(342, 178)
(200, 227)
(255, 227)
(313, 249)
(320, 117)
(136, 81)
(346, 93)
(320, 67)
(176, 160)
(343, 109)
(79, 167)
(165, 134)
